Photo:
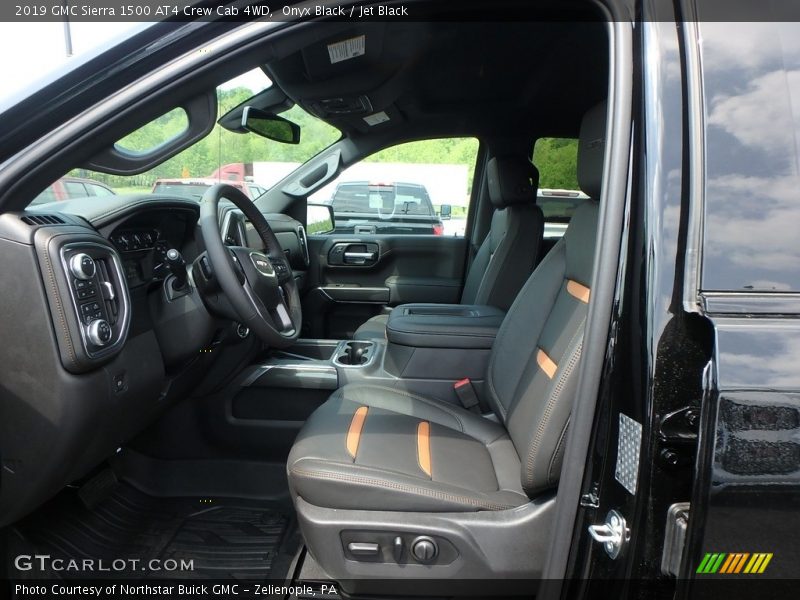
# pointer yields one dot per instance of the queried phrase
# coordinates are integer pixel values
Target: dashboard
(97, 347)
(144, 239)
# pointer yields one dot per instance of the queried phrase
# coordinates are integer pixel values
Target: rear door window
(420, 188)
(557, 162)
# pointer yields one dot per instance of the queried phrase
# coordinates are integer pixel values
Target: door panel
(352, 278)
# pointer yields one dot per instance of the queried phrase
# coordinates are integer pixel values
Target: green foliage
(445, 151)
(557, 161)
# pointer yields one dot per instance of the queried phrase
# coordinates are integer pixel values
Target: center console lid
(444, 325)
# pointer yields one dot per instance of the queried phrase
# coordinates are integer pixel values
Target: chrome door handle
(358, 258)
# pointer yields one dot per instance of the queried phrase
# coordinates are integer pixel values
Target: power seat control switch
(82, 266)
(424, 549)
(364, 549)
(99, 332)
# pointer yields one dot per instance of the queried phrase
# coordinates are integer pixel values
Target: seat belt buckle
(466, 395)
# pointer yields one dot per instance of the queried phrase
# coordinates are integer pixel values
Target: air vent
(33, 220)
(301, 235)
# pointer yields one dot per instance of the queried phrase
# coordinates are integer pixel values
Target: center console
(441, 341)
(428, 347)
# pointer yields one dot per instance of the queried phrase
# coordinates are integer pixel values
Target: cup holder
(354, 354)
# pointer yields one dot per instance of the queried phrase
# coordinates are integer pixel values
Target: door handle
(358, 258)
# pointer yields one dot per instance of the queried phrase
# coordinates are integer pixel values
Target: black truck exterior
(703, 346)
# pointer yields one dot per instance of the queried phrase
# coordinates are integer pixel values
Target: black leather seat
(380, 450)
(511, 248)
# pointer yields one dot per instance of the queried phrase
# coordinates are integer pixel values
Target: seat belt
(467, 396)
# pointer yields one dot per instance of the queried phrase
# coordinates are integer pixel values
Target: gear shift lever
(177, 267)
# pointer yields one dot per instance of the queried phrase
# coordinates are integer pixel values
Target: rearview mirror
(270, 126)
(319, 219)
(445, 211)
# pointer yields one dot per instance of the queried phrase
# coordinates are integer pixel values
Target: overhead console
(353, 74)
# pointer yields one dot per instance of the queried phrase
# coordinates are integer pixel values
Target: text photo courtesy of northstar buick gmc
(511, 313)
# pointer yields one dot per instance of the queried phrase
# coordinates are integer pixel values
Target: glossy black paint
(751, 88)
(657, 352)
(749, 470)
(731, 361)
(753, 466)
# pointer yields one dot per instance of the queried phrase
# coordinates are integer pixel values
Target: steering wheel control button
(424, 549)
(82, 266)
(280, 267)
(99, 332)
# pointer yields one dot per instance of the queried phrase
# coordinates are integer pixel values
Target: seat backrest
(532, 373)
(510, 250)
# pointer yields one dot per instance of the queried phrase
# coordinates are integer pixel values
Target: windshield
(249, 162)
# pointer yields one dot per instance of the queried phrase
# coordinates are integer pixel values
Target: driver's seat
(377, 470)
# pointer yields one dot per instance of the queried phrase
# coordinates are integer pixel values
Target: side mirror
(270, 126)
(445, 211)
(319, 219)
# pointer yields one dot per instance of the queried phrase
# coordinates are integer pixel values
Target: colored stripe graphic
(711, 562)
(727, 564)
(734, 563)
(740, 562)
(767, 558)
(715, 567)
(702, 567)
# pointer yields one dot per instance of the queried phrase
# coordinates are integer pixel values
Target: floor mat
(224, 538)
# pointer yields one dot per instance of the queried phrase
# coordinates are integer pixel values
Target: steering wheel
(259, 286)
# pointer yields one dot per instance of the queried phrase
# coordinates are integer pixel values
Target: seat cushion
(372, 329)
(377, 448)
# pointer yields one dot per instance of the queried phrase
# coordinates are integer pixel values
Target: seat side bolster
(521, 329)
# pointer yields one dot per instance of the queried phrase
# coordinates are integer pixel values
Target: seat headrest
(512, 180)
(591, 150)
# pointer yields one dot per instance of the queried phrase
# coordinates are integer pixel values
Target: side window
(48, 195)
(559, 193)
(75, 189)
(419, 188)
(99, 190)
(255, 191)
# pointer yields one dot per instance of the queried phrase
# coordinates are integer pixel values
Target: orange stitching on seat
(578, 290)
(546, 363)
(424, 447)
(354, 433)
